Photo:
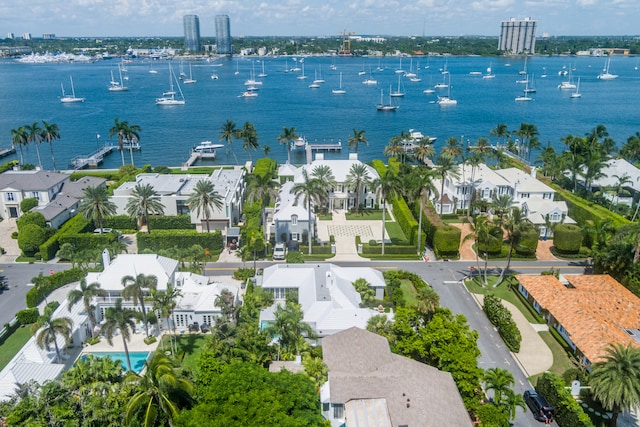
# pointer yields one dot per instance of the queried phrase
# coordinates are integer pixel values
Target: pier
(7, 151)
(331, 146)
(195, 156)
(93, 159)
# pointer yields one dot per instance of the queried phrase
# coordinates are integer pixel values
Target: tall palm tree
(134, 288)
(388, 185)
(528, 133)
(50, 328)
(424, 150)
(500, 131)
(395, 148)
(144, 200)
(159, 388)
(480, 226)
(262, 187)
(20, 137)
(513, 224)
(446, 168)
(357, 139)
(615, 379)
(96, 205)
(357, 177)
(228, 132)
(631, 149)
(249, 138)
(50, 133)
(453, 147)
(502, 204)
(326, 182)
(203, 199)
(291, 329)
(309, 189)
(418, 184)
(125, 132)
(287, 135)
(85, 293)
(427, 301)
(122, 319)
(165, 303)
(499, 380)
(34, 135)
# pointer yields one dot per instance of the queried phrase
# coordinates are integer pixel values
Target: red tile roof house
(589, 311)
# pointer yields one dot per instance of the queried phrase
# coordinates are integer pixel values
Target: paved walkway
(12, 251)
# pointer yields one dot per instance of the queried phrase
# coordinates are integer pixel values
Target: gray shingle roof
(32, 180)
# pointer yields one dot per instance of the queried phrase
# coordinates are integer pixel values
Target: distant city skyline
(79, 18)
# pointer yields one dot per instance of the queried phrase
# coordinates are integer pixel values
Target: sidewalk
(12, 251)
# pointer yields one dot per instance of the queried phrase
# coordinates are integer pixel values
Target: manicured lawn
(325, 217)
(394, 231)
(409, 292)
(365, 215)
(13, 344)
(189, 348)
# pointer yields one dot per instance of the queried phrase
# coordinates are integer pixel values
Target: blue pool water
(137, 358)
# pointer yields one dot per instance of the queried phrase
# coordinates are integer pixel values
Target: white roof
(619, 168)
(525, 182)
(539, 208)
(131, 265)
(340, 169)
(286, 206)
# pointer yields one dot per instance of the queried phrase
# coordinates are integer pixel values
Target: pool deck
(135, 344)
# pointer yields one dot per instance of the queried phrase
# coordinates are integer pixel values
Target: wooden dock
(332, 146)
(7, 151)
(93, 159)
(195, 156)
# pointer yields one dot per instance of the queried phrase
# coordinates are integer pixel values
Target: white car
(279, 251)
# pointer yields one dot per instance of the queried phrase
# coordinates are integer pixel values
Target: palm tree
(86, 293)
(50, 328)
(287, 135)
(395, 148)
(249, 138)
(615, 378)
(357, 177)
(502, 204)
(96, 205)
(290, 328)
(500, 131)
(134, 288)
(528, 133)
(122, 319)
(326, 183)
(34, 135)
(619, 186)
(499, 380)
(144, 200)
(125, 132)
(165, 303)
(631, 149)
(20, 137)
(309, 189)
(388, 185)
(381, 325)
(50, 133)
(203, 199)
(513, 224)
(480, 226)
(159, 388)
(424, 150)
(427, 301)
(419, 186)
(445, 168)
(357, 138)
(228, 132)
(453, 147)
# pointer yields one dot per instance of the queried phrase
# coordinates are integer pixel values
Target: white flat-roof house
(58, 197)
(174, 191)
(535, 198)
(618, 172)
(327, 297)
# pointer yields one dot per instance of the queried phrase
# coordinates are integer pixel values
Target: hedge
(493, 243)
(406, 220)
(527, 242)
(446, 241)
(265, 167)
(567, 238)
(119, 222)
(30, 238)
(582, 211)
(379, 166)
(159, 240)
(174, 222)
(75, 225)
(28, 316)
(568, 412)
(500, 317)
(84, 241)
(44, 285)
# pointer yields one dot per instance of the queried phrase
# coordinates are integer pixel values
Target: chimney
(533, 172)
(106, 259)
(329, 280)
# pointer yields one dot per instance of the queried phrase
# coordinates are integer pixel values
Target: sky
(87, 18)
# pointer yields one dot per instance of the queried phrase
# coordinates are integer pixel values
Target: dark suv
(538, 405)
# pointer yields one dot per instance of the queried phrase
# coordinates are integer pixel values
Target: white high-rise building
(191, 33)
(223, 35)
(518, 36)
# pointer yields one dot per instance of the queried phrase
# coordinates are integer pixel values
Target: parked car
(194, 327)
(538, 405)
(279, 251)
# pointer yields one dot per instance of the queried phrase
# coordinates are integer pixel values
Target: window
(279, 293)
(555, 217)
(524, 195)
(325, 406)
(182, 208)
(181, 319)
(294, 219)
(340, 188)
(35, 195)
(207, 319)
(11, 197)
(338, 411)
(295, 237)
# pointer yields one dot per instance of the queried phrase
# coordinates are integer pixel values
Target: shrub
(75, 225)
(44, 285)
(30, 238)
(527, 242)
(119, 222)
(294, 257)
(567, 238)
(405, 219)
(28, 316)
(446, 241)
(31, 218)
(492, 244)
(568, 412)
(84, 241)
(176, 222)
(501, 318)
(243, 274)
(27, 204)
(159, 240)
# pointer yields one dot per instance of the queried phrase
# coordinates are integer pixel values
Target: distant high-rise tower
(223, 35)
(191, 33)
(518, 37)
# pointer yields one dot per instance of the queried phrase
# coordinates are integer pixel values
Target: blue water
(137, 358)
(31, 93)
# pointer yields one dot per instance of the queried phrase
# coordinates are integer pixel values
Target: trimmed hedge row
(85, 241)
(177, 222)
(406, 220)
(159, 240)
(75, 225)
(28, 316)
(446, 241)
(582, 211)
(265, 167)
(44, 285)
(568, 412)
(500, 317)
(119, 222)
(527, 242)
(389, 249)
(567, 238)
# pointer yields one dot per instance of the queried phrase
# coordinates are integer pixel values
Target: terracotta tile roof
(595, 310)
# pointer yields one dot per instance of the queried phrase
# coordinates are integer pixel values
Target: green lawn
(394, 231)
(13, 344)
(325, 216)
(409, 292)
(365, 215)
(189, 348)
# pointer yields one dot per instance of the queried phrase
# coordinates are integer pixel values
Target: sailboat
(442, 85)
(370, 81)
(319, 78)
(446, 101)
(568, 84)
(544, 73)
(302, 76)
(252, 80)
(489, 74)
(530, 88)
(524, 96)
(115, 85)
(66, 99)
(340, 90)
(400, 70)
(606, 75)
(410, 73)
(523, 72)
(315, 84)
(386, 107)
(262, 74)
(190, 80)
(151, 70)
(169, 97)
(577, 93)
(398, 93)
(333, 64)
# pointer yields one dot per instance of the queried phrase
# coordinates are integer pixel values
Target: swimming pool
(137, 358)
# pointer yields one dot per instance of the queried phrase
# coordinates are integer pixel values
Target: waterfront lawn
(364, 215)
(13, 344)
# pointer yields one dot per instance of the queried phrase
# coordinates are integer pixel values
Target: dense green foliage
(31, 218)
(501, 318)
(567, 238)
(527, 242)
(75, 225)
(171, 222)
(568, 412)
(446, 241)
(27, 204)
(405, 219)
(30, 238)
(491, 242)
(164, 239)
(87, 241)
(44, 285)
(618, 257)
(119, 222)
(27, 316)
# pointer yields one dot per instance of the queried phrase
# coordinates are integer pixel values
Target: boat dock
(331, 146)
(197, 156)
(93, 159)
(7, 151)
